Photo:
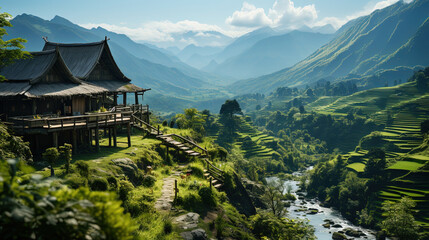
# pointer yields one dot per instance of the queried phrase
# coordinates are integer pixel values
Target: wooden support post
(158, 129)
(97, 136)
(55, 139)
(74, 147)
(211, 182)
(124, 94)
(90, 137)
(110, 136)
(115, 144)
(115, 99)
(136, 98)
(176, 190)
(129, 134)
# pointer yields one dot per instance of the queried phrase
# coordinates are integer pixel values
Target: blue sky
(155, 20)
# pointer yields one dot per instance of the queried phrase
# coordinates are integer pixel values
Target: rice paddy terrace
(257, 147)
(402, 109)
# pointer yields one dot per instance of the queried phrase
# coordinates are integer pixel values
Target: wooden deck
(28, 125)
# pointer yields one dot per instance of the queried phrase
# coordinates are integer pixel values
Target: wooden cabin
(53, 97)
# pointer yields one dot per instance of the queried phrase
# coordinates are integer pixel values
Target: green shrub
(148, 181)
(197, 171)
(168, 226)
(137, 206)
(75, 181)
(99, 184)
(191, 202)
(113, 182)
(83, 168)
(207, 196)
(164, 123)
(124, 188)
(51, 156)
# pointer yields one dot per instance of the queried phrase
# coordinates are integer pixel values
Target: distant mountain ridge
(272, 54)
(166, 75)
(386, 38)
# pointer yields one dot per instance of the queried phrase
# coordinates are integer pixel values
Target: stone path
(165, 202)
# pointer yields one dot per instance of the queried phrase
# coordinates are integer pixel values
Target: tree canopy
(230, 107)
(11, 49)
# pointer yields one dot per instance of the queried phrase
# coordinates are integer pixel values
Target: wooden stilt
(74, 147)
(90, 137)
(55, 139)
(129, 134)
(110, 136)
(97, 137)
(115, 144)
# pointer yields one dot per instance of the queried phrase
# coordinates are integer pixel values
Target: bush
(191, 202)
(168, 226)
(113, 182)
(83, 168)
(76, 181)
(148, 181)
(197, 171)
(99, 184)
(124, 188)
(207, 196)
(164, 123)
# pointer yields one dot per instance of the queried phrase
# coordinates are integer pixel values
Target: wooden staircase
(213, 174)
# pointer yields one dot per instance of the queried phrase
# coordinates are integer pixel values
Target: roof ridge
(74, 44)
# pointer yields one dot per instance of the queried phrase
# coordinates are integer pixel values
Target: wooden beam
(129, 134)
(136, 98)
(115, 99)
(124, 94)
(110, 136)
(90, 137)
(97, 136)
(115, 144)
(74, 147)
(55, 139)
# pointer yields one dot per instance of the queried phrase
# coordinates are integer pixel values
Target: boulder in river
(338, 236)
(353, 233)
(337, 226)
(312, 211)
(326, 225)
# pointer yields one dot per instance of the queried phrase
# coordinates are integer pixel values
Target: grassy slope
(408, 107)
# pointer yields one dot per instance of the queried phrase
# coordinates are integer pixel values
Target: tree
(424, 126)
(10, 50)
(230, 107)
(399, 219)
(191, 118)
(274, 197)
(66, 154)
(51, 156)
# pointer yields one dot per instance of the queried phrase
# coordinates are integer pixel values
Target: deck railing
(88, 120)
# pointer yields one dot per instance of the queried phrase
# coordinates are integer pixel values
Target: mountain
(197, 56)
(60, 29)
(200, 38)
(272, 54)
(244, 42)
(390, 37)
(169, 81)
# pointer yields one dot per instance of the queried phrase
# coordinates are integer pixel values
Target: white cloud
(165, 31)
(282, 13)
(249, 16)
(285, 14)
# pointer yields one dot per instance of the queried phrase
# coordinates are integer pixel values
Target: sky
(158, 21)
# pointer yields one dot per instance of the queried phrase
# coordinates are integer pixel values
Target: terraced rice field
(258, 138)
(411, 180)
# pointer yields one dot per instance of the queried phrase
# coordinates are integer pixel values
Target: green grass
(358, 167)
(406, 165)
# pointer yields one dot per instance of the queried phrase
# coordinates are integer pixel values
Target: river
(297, 210)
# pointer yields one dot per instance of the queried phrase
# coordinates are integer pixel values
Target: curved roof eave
(51, 64)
